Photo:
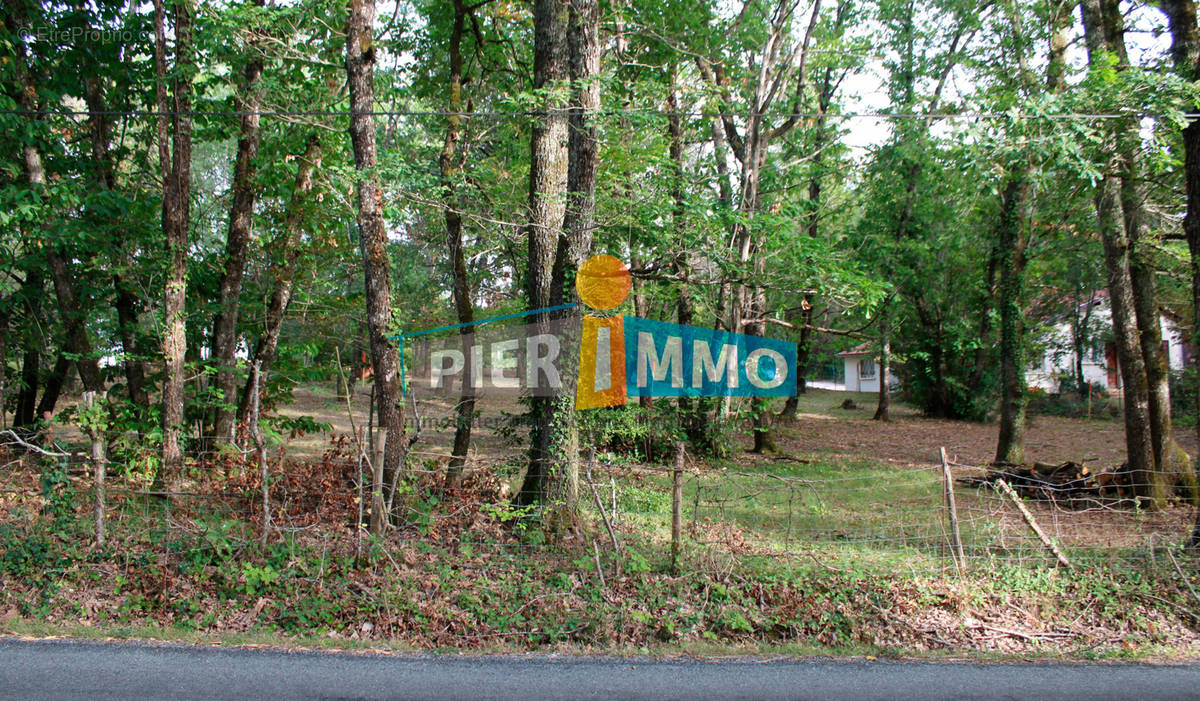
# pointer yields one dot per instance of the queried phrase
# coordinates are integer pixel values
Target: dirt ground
(911, 439)
(823, 429)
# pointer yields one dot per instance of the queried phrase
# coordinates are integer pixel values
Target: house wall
(854, 383)
(1059, 358)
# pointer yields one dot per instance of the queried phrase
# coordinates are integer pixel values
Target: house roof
(860, 349)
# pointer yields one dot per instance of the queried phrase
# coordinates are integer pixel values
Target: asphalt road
(74, 670)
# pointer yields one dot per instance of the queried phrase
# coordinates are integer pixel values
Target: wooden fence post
(260, 444)
(948, 481)
(677, 506)
(361, 502)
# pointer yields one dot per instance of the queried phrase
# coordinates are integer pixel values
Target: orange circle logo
(603, 282)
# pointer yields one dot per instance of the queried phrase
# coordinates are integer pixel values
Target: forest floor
(822, 429)
(468, 573)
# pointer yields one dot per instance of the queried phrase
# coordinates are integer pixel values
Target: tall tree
(70, 307)
(908, 204)
(562, 182)
(125, 301)
(286, 249)
(779, 59)
(1185, 52)
(448, 163)
(823, 138)
(176, 162)
(237, 243)
(1101, 20)
(1015, 212)
(1013, 228)
(360, 74)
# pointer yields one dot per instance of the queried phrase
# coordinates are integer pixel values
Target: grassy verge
(514, 595)
(763, 571)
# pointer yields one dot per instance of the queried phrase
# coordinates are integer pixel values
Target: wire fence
(923, 519)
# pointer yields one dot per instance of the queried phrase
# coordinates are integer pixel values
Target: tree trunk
(563, 156)
(175, 223)
(1012, 241)
(693, 411)
(71, 312)
(54, 387)
(127, 324)
(1079, 327)
(31, 359)
(463, 306)
(1185, 51)
(225, 337)
(1129, 353)
(724, 312)
(813, 228)
(4, 325)
(1120, 210)
(124, 301)
(360, 73)
(883, 408)
(1014, 216)
(1145, 298)
(27, 395)
(286, 245)
(985, 346)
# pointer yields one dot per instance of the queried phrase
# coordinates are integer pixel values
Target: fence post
(99, 462)
(260, 445)
(359, 487)
(676, 506)
(948, 480)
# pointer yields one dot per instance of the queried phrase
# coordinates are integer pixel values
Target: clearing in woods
(825, 437)
(823, 431)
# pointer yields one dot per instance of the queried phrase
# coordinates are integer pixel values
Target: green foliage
(26, 555)
(1184, 408)
(256, 579)
(58, 492)
(646, 499)
(1068, 403)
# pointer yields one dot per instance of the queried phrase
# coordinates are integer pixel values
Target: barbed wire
(604, 113)
(879, 515)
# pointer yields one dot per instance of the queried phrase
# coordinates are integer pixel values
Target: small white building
(862, 368)
(1100, 366)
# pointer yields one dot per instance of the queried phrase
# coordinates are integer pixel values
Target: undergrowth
(468, 574)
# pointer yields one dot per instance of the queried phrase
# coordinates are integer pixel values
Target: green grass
(867, 512)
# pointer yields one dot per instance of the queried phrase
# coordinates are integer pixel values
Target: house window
(866, 369)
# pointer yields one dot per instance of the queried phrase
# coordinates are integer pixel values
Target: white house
(862, 368)
(1100, 365)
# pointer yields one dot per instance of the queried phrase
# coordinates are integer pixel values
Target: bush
(651, 433)
(1069, 404)
(1068, 385)
(1183, 396)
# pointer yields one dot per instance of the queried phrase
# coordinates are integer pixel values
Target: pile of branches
(1069, 483)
